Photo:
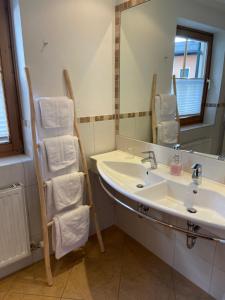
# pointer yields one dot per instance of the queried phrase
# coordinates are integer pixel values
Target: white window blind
(189, 96)
(4, 132)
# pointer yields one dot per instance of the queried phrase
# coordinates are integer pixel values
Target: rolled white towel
(70, 230)
(56, 112)
(68, 190)
(61, 152)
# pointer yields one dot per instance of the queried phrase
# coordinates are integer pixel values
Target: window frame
(205, 37)
(10, 83)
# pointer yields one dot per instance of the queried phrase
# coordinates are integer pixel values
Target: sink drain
(192, 210)
(140, 186)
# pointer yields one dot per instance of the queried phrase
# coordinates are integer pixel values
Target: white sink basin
(178, 199)
(130, 174)
(162, 191)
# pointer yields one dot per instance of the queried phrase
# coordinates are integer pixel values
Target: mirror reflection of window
(191, 67)
(4, 131)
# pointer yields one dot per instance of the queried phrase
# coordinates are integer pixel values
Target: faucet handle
(197, 172)
(151, 154)
(177, 147)
(196, 166)
(151, 158)
(147, 152)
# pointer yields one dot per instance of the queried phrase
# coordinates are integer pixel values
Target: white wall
(80, 36)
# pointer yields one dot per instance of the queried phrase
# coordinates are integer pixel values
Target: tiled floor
(127, 271)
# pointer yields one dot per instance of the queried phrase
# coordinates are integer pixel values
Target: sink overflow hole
(192, 210)
(140, 186)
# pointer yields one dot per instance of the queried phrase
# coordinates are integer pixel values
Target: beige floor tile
(34, 297)
(78, 285)
(15, 296)
(126, 271)
(113, 241)
(2, 295)
(144, 276)
(98, 275)
(91, 280)
(6, 283)
(186, 290)
(32, 281)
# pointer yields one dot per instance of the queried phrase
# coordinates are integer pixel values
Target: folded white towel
(56, 112)
(43, 133)
(61, 152)
(46, 173)
(168, 132)
(67, 190)
(70, 230)
(166, 107)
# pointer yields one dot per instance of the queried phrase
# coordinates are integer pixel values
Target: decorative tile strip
(129, 4)
(135, 115)
(84, 120)
(215, 105)
(96, 118)
(113, 117)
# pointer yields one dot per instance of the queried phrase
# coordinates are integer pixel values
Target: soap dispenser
(176, 165)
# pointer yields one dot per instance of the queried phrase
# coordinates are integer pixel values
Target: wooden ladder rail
(152, 109)
(41, 184)
(84, 162)
(41, 190)
(177, 112)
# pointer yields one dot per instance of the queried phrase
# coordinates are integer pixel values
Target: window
(191, 66)
(184, 73)
(10, 125)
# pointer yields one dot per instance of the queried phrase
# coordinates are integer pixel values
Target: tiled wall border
(118, 10)
(91, 119)
(218, 105)
(112, 117)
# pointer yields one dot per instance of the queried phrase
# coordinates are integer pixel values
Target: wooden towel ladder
(41, 183)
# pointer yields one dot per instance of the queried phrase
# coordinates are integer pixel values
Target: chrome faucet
(197, 174)
(151, 158)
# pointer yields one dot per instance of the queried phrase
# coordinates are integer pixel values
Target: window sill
(194, 126)
(14, 160)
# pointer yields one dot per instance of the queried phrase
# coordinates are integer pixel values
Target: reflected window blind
(189, 96)
(3, 120)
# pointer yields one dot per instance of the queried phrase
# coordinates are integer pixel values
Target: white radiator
(14, 232)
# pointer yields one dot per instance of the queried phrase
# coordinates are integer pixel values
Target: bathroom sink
(175, 195)
(196, 204)
(131, 175)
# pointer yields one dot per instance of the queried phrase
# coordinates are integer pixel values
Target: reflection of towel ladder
(152, 108)
(41, 184)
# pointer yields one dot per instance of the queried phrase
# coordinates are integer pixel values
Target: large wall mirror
(172, 53)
